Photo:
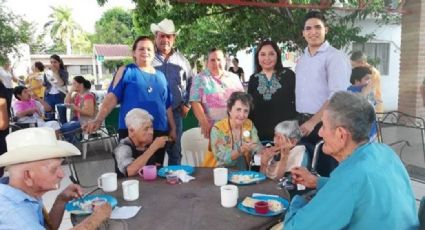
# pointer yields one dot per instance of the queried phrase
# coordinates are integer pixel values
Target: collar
(322, 48)
(14, 194)
(159, 54)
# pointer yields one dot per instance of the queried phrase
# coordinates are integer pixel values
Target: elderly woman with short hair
(234, 139)
(370, 188)
(285, 151)
(139, 148)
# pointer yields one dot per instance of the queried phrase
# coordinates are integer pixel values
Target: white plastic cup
(130, 190)
(220, 176)
(108, 182)
(229, 196)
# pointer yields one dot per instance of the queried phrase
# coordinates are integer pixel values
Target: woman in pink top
(83, 105)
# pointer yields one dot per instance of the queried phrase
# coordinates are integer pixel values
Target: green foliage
(65, 31)
(13, 32)
(114, 27)
(234, 28)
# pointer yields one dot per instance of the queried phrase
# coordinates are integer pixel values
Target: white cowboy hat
(166, 26)
(34, 144)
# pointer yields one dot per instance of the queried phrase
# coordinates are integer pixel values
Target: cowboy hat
(166, 26)
(34, 144)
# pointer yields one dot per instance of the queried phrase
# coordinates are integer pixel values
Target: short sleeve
(124, 157)
(119, 89)
(196, 90)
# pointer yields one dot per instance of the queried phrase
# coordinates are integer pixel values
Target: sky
(85, 12)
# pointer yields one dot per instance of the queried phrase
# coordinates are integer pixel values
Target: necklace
(231, 134)
(148, 82)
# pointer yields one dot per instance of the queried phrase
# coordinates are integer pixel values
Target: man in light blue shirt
(320, 72)
(370, 189)
(177, 71)
(34, 164)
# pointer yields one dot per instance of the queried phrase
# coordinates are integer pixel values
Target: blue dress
(140, 89)
(369, 190)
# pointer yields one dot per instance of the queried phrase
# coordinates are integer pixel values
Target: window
(378, 55)
(86, 69)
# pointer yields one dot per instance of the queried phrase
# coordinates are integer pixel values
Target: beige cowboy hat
(34, 144)
(166, 26)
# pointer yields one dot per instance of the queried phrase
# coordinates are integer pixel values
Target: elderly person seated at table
(234, 139)
(285, 154)
(28, 110)
(370, 188)
(34, 160)
(137, 150)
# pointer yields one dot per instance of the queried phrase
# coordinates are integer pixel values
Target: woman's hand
(205, 129)
(247, 147)
(92, 125)
(267, 154)
(158, 143)
(285, 144)
(302, 176)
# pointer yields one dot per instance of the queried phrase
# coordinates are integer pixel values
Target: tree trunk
(68, 46)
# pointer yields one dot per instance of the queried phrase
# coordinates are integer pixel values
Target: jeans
(70, 131)
(53, 100)
(174, 150)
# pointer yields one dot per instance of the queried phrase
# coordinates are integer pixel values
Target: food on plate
(274, 205)
(176, 172)
(244, 179)
(87, 205)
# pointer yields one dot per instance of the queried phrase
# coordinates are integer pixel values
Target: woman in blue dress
(139, 85)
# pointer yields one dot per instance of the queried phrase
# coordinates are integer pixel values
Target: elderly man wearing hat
(177, 70)
(34, 163)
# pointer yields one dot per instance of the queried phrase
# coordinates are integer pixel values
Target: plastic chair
(194, 146)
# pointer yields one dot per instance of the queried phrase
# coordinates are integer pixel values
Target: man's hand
(158, 143)
(173, 134)
(103, 211)
(184, 110)
(302, 176)
(71, 192)
(307, 127)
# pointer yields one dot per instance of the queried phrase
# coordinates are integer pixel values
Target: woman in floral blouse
(210, 90)
(234, 139)
(273, 90)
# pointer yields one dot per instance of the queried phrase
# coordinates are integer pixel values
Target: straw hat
(166, 26)
(34, 144)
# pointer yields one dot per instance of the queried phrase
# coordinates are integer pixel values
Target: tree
(114, 27)
(234, 28)
(62, 26)
(13, 32)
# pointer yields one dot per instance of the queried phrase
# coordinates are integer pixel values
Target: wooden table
(193, 205)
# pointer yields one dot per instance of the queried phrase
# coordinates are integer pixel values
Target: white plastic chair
(194, 146)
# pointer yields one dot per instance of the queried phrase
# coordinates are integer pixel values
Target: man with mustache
(321, 71)
(177, 70)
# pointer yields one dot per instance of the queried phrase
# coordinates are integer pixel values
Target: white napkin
(183, 176)
(124, 212)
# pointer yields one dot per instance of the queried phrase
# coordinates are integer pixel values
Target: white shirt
(6, 78)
